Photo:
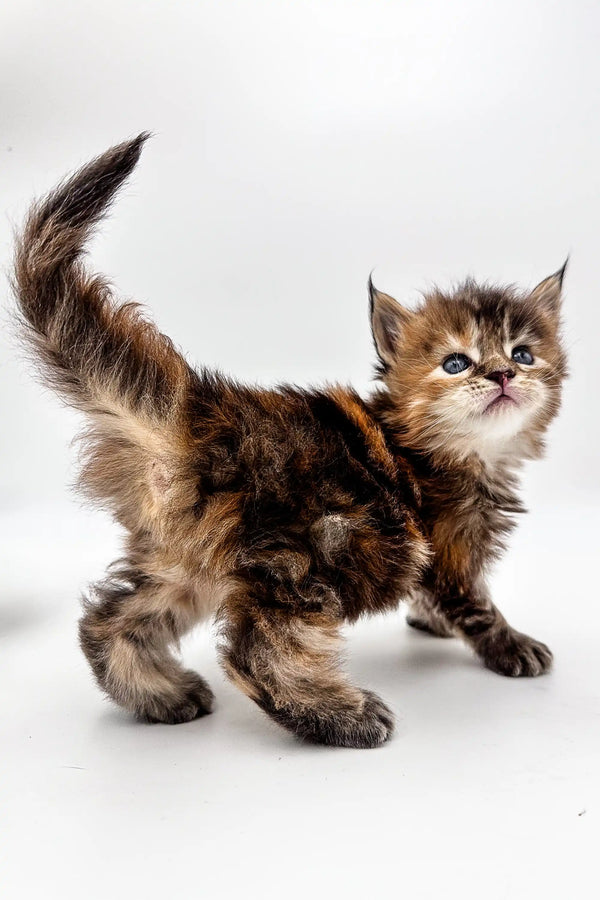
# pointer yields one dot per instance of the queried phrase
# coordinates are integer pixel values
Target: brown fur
(286, 512)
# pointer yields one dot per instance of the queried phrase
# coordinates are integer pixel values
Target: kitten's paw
(362, 727)
(516, 655)
(369, 727)
(377, 719)
(193, 700)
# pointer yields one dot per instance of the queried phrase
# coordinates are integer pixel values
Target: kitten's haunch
(287, 512)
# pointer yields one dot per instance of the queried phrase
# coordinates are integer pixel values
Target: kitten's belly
(307, 522)
(362, 557)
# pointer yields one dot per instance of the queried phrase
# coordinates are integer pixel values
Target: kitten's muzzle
(506, 397)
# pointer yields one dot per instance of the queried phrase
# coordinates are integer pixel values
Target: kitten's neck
(485, 459)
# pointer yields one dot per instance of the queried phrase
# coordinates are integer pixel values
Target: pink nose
(501, 376)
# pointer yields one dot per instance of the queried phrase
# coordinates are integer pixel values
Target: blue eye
(523, 356)
(456, 363)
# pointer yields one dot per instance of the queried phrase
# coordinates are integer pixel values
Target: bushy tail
(102, 357)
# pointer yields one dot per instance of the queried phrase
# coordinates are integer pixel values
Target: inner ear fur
(388, 319)
(548, 292)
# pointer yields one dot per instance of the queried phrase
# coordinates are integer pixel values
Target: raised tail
(101, 356)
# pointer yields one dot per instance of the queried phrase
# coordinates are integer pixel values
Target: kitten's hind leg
(126, 633)
(289, 664)
(424, 616)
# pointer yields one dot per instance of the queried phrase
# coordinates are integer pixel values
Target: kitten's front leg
(502, 649)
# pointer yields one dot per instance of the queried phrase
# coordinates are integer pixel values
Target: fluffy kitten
(288, 512)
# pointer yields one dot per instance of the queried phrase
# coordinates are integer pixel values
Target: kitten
(287, 512)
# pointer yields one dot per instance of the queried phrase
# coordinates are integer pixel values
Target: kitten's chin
(506, 433)
(500, 427)
(502, 423)
(503, 403)
(502, 400)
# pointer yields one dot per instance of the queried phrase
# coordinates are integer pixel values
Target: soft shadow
(413, 655)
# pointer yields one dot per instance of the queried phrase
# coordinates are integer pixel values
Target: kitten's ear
(388, 319)
(548, 293)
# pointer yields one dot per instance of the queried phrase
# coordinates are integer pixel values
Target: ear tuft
(388, 319)
(548, 292)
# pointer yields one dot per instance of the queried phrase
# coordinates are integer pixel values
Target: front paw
(369, 723)
(511, 653)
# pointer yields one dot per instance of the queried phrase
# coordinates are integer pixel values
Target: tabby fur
(285, 513)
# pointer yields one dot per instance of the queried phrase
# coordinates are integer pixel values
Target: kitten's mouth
(500, 402)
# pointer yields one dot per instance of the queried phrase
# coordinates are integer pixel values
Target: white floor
(489, 788)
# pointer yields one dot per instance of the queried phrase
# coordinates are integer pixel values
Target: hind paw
(193, 700)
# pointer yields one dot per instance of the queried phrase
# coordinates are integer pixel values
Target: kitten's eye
(523, 356)
(456, 363)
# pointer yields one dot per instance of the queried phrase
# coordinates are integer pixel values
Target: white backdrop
(297, 146)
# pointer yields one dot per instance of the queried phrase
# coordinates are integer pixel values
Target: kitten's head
(478, 371)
